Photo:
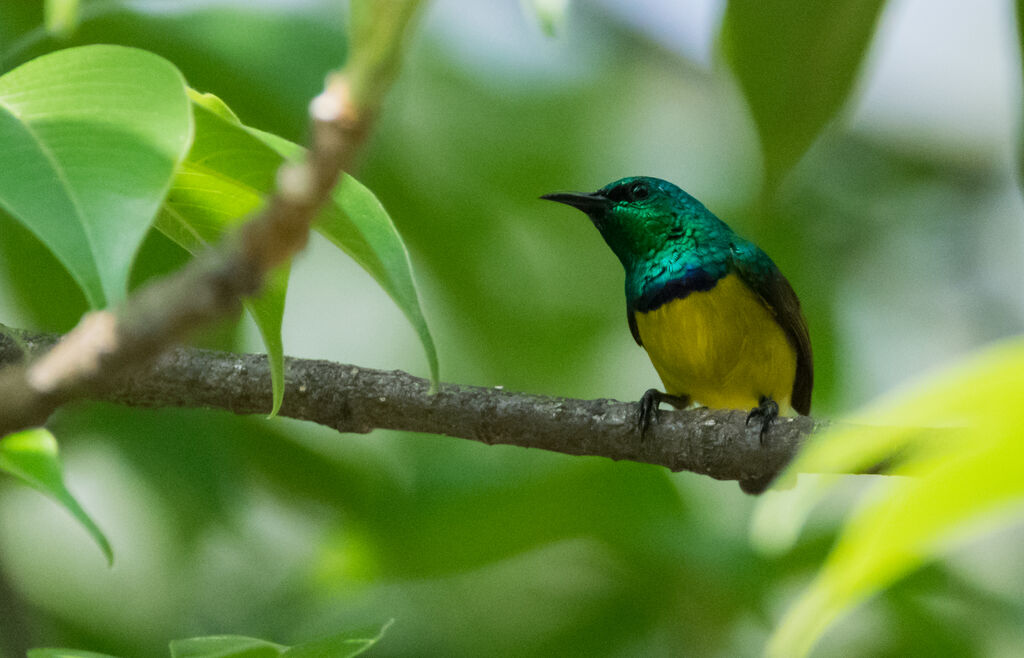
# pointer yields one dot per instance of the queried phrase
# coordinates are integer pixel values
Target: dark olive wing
(783, 301)
(761, 274)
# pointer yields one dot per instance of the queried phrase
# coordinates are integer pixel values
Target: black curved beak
(588, 203)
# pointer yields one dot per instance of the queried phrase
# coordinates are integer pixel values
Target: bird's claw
(764, 413)
(647, 408)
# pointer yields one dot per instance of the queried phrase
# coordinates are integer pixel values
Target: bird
(721, 324)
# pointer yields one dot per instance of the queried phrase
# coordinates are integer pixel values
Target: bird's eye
(629, 193)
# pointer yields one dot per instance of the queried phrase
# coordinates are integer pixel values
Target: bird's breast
(722, 347)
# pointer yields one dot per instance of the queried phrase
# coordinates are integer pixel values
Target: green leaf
(213, 103)
(225, 177)
(358, 224)
(91, 138)
(65, 653)
(343, 645)
(796, 61)
(956, 436)
(550, 14)
(225, 646)
(267, 310)
(61, 17)
(228, 174)
(32, 457)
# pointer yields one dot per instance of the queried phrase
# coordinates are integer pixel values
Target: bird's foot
(763, 414)
(647, 408)
(759, 420)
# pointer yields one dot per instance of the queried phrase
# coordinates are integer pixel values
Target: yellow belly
(722, 348)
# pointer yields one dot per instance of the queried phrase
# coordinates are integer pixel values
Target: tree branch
(349, 398)
(122, 356)
(108, 344)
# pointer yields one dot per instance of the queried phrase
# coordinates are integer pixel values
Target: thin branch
(108, 344)
(349, 398)
(120, 356)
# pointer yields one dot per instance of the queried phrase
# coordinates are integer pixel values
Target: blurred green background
(900, 229)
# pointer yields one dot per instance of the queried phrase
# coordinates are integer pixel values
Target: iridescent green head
(659, 232)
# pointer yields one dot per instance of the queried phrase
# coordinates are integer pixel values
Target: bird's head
(638, 216)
